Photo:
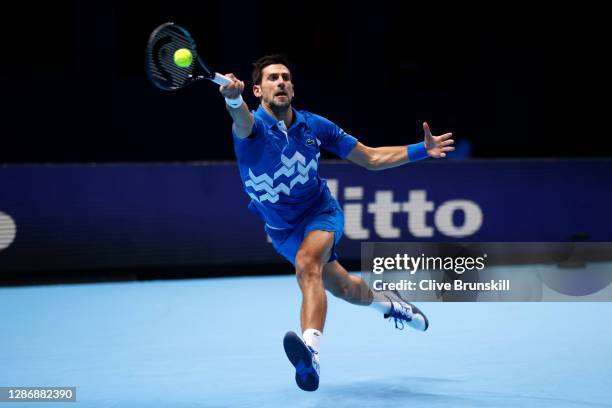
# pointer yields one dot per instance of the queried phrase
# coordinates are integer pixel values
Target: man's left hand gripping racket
(161, 67)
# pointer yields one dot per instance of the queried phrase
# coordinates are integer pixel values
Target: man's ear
(257, 91)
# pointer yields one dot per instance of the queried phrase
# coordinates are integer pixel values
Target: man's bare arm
(380, 158)
(242, 117)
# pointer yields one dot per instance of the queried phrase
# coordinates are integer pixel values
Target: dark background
(513, 80)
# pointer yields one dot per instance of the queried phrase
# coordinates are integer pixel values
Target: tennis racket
(164, 41)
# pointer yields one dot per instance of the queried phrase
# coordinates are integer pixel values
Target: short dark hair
(263, 62)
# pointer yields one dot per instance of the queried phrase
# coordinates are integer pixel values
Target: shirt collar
(270, 121)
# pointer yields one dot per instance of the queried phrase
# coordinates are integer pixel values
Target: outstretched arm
(237, 108)
(380, 158)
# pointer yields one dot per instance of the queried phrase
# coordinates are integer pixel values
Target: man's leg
(352, 288)
(355, 290)
(313, 253)
(309, 261)
(341, 284)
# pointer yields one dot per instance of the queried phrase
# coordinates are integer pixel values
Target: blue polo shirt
(279, 166)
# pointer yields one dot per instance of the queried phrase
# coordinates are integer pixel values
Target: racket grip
(220, 79)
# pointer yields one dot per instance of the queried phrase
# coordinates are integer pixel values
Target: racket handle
(220, 79)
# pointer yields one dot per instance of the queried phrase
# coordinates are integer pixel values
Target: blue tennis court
(218, 343)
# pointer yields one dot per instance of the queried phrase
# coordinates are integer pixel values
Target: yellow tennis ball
(183, 57)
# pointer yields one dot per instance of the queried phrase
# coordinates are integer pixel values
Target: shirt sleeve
(333, 138)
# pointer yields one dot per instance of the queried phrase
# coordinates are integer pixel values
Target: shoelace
(315, 362)
(400, 315)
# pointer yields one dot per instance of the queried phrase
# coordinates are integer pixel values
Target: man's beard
(280, 107)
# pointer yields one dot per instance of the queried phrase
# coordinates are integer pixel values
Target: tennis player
(278, 150)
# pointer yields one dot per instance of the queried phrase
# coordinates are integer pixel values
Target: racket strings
(160, 58)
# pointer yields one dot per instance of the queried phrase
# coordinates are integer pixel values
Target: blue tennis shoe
(304, 359)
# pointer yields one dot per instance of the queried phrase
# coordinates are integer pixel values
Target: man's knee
(307, 266)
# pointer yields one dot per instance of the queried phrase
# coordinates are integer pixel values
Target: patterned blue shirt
(279, 166)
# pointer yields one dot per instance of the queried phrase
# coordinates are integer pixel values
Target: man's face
(276, 88)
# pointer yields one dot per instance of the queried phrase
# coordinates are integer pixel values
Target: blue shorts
(327, 217)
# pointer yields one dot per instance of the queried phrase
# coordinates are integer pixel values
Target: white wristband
(234, 103)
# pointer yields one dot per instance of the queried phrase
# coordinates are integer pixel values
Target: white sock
(312, 338)
(380, 302)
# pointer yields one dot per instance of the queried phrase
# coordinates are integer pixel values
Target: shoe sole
(297, 353)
